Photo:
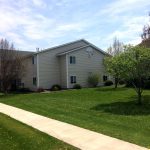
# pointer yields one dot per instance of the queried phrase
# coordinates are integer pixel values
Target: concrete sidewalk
(73, 135)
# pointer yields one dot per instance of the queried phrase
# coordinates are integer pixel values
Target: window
(34, 80)
(33, 60)
(18, 82)
(72, 59)
(72, 79)
(105, 78)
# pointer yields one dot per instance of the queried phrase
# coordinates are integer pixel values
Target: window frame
(72, 60)
(105, 78)
(33, 60)
(34, 81)
(73, 79)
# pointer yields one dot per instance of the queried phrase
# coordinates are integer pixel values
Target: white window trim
(35, 84)
(70, 79)
(72, 59)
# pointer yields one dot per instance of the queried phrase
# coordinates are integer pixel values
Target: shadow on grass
(5, 96)
(109, 89)
(126, 108)
(12, 94)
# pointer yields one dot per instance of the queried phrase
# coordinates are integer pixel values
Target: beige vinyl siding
(50, 71)
(30, 72)
(85, 65)
(63, 71)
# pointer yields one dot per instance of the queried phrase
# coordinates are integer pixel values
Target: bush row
(56, 87)
(145, 83)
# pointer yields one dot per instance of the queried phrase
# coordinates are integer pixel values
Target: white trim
(90, 45)
(67, 71)
(72, 76)
(38, 80)
(60, 46)
(69, 51)
(73, 58)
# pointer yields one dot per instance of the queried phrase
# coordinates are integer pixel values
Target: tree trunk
(116, 82)
(139, 97)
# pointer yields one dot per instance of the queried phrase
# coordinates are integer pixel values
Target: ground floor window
(72, 79)
(34, 81)
(105, 78)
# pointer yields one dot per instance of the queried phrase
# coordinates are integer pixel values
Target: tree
(146, 32)
(146, 35)
(11, 67)
(113, 67)
(116, 48)
(111, 63)
(93, 80)
(135, 65)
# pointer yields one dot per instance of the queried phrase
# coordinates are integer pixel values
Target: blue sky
(46, 23)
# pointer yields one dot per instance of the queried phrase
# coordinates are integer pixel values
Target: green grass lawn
(17, 136)
(105, 110)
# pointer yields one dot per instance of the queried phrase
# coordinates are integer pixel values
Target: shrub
(121, 82)
(147, 84)
(108, 83)
(129, 83)
(93, 80)
(23, 90)
(40, 90)
(77, 86)
(55, 87)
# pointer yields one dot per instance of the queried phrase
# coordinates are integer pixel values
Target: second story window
(72, 59)
(33, 60)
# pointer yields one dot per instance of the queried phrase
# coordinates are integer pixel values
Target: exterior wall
(63, 71)
(85, 66)
(30, 72)
(50, 71)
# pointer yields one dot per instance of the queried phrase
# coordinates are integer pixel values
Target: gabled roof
(19, 52)
(75, 49)
(92, 45)
(71, 50)
(62, 45)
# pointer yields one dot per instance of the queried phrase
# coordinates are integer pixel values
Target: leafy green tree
(113, 67)
(135, 65)
(111, 63)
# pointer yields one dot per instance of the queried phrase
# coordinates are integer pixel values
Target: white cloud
(39, 3)
(124, 15)
(27, 24)
(130, 30)
(21, 23)
(122, 6)
(71, 27)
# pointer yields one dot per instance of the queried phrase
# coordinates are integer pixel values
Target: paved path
(73, 135)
